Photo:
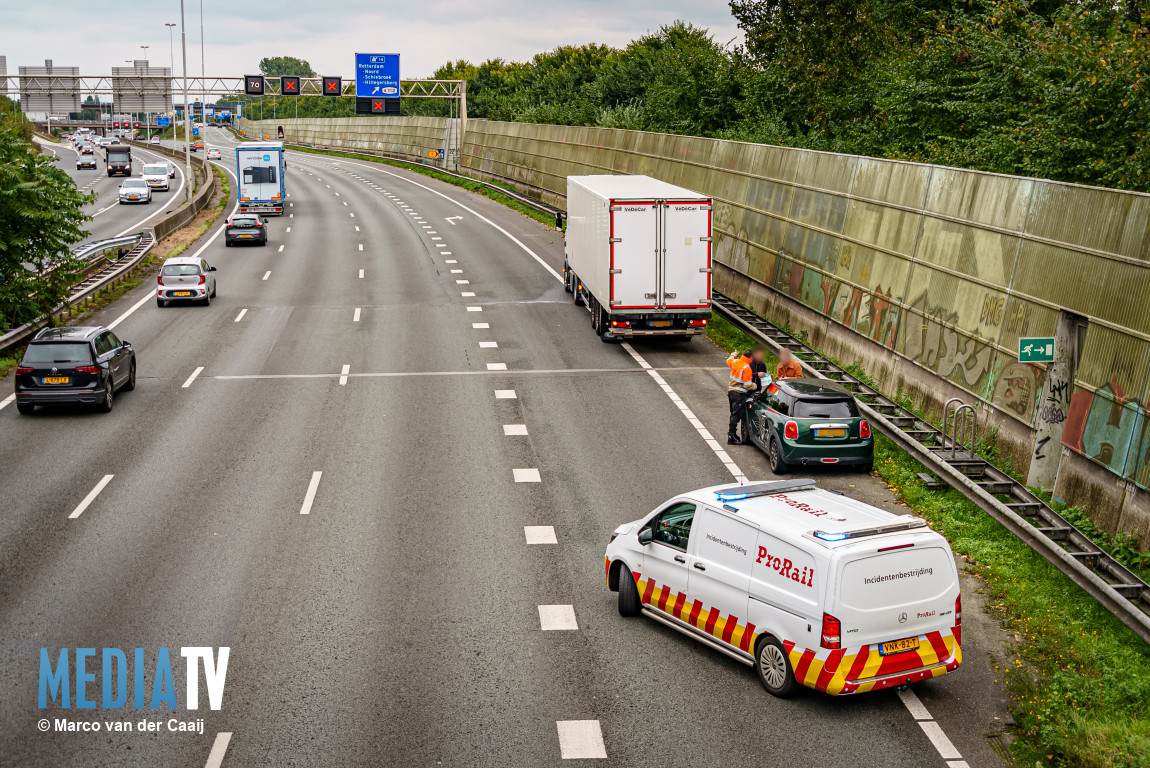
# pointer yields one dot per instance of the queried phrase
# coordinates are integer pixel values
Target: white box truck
(639, 255)
(261, 168)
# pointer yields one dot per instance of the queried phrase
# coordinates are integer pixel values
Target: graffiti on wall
(1112, 429)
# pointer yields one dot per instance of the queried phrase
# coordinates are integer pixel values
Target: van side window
(673, 526)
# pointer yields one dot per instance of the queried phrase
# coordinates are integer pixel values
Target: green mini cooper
(809, 421)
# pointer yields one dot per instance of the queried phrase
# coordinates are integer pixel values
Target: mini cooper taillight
(791, 430)
(864, 429)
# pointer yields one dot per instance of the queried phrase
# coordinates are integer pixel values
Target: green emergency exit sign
(1036, 349)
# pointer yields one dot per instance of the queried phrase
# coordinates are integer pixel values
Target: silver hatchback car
(185, 278)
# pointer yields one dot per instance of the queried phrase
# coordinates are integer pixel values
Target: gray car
(185, 278)
(135, 191)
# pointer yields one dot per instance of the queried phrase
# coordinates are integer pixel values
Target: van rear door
(893, 588)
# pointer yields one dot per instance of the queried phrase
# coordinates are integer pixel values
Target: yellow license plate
(244, 235)
(55, 379)
(898, 646)
(181, 293)
(660, 323)
(830, 433)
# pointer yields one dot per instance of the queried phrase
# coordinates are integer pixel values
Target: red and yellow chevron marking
(709, 620)
(837, 672)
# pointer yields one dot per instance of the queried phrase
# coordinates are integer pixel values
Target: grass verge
(1080, 686)
(470, 186)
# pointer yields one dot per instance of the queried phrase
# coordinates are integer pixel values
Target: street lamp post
(171, 57)
(203, 69)
(188, 178)
(147, 130)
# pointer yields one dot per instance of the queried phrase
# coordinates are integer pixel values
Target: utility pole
(188, 178)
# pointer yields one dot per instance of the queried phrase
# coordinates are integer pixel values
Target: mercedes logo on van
(902, 618)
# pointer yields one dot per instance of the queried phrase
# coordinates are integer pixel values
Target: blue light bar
(765, 489)
(732, 496)
(831, 536)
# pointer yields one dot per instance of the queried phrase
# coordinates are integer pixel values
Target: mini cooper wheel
(774, 668)
(629, 602)
(778, 464)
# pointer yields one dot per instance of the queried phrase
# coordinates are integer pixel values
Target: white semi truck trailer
(638, 255)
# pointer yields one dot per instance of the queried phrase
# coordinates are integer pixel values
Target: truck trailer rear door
(634, 254)
(686, 254)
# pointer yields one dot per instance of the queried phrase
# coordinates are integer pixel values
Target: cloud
(328, 34)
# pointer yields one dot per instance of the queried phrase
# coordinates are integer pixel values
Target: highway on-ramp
(331, 471)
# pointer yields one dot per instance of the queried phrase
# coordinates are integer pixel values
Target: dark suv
(74, 365)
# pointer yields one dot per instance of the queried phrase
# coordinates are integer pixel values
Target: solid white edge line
(90, 497)
(219, 749)
(192, 378)
(309, 497)
(914, 705)
(941, 743)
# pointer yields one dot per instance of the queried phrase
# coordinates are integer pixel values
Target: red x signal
(377, 106)
(331, 86)
(289, 85)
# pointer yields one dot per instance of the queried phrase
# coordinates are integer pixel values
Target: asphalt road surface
(387, 364)
(109, 217)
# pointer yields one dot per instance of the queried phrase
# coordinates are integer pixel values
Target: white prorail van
(805, 585)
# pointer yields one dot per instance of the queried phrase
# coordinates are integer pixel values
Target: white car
(214, 154)
(807, 586)
(135, 191)
(185, 278)
(154, 140)
(156, 175)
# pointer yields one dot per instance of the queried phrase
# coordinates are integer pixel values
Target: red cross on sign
(377, 106)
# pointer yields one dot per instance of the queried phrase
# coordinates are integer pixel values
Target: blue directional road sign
(195, 131)
(377, 74)
(209, 112)
(163, 122)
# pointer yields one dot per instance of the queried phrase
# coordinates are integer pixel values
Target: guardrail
(99, 277)
(1109, 582)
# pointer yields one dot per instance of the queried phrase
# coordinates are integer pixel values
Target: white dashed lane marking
(480, 325)
(240, 316)
(512, 430)
(488, 344)
(931, 729)
(557, 617)
(361, 274)
(192, 378)
(92, 494)
(526, 475)
(343, 375)
(539, 534)
(505, 394)
(467, 294)
(355, 317)
(580, 740)
(497, 367)
(309, 497)
(267, 274)
(219, 749)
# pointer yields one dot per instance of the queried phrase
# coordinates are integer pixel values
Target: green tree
(279, 66)
(40, 218)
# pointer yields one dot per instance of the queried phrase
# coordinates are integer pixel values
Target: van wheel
(774, 668)
(778, 465)
(629, 603)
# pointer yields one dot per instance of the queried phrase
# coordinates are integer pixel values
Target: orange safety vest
(741, 378)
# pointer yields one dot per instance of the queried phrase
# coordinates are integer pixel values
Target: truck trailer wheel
(578, 294)
(567, 278)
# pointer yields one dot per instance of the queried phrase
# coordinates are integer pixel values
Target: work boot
(734, 440)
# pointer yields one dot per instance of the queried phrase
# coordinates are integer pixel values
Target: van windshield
(825, 409)
(903, 577)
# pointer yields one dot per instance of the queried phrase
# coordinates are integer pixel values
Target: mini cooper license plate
(181, 293)
(660, 323)
(898, 646)
(55, 379)
(830, 433)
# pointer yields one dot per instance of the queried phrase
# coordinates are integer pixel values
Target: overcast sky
(98, 36)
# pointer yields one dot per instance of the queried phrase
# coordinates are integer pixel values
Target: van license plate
(898, 646)
(660, 323)
(181, 293)
(830, 433)
(55, 379)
